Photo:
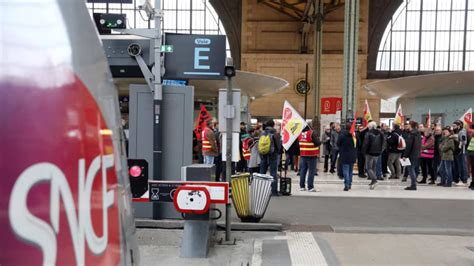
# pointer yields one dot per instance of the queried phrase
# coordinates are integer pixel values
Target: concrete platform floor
(161, 247)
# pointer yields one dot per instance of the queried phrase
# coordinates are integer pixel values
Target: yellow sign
(294, 126)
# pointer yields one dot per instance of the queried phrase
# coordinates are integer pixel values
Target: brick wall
(271, 43)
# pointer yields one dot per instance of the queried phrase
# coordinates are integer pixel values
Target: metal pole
(157, 94)
(318, 50)
(351, 28)
(306, 91)
(228, 162)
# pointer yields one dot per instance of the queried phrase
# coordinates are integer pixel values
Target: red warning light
(135, 171)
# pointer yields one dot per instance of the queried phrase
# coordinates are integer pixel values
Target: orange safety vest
(246, 148)
(307, 147)
(206, 145)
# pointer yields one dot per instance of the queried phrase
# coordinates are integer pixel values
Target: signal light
(135, 171)
(106, 21)
(138, 176)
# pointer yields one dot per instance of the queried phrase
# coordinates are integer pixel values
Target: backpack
(265, 144)
(401, 143)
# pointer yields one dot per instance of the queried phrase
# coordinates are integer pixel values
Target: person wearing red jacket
(209, 144)
(309, 152)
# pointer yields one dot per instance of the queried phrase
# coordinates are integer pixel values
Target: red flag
(467, 118)
(201, 122)
(353, 130)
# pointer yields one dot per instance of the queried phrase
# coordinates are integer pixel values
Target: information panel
(195, 56)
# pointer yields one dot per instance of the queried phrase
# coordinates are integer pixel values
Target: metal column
(351, 47)
(228, 162)
(318, 50)
(157, 94)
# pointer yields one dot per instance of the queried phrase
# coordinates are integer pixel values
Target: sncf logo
(78, 217)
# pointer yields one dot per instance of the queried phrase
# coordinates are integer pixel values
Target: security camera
(134, 49)
(148, 8)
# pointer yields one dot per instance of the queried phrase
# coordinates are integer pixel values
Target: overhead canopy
(451, 83)
(252, 84)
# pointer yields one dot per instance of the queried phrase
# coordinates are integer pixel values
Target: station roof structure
(254, 85)
(440, 84)
(301, 9)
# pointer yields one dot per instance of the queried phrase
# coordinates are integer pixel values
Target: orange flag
(353, 130)
(367, 116)
(399, 119)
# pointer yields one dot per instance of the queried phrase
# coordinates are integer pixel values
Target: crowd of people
(260, 149)
(434, 152)
(379, 151)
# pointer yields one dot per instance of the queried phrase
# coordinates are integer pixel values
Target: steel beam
(351, 35)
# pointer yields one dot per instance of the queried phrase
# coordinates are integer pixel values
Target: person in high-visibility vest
(309, 152)
(246, 144)
(470, 153)
(209, 144)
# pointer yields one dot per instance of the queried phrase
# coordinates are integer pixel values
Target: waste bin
(240, 194)
(251, 199)
(260, 194)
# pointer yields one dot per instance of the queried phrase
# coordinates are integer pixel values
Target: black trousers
(384, 162)
(326, 162)
(334, 156)
(471, 158)
(436, 163)
(218, 163)
(361, 163)
(427, 168)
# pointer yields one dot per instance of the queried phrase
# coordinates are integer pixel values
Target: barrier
(195, 200)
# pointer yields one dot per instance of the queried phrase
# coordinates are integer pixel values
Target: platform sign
(167, 48)
(195, 56)
(164, 191)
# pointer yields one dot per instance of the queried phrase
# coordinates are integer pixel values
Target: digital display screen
(111, 1)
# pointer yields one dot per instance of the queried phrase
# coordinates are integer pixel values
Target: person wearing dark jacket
(413, 152)
(386, 131)
(292, 156)
(347, 155)
(309, 152)
(447, 157)
(394, 153)
(372, 148)
(326, 141)
(271, 160)
(360, 155)
(334, 149)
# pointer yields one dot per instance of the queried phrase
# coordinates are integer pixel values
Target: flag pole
(306, 91)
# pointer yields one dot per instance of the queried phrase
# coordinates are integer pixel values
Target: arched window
(179, 16)
(429, 36)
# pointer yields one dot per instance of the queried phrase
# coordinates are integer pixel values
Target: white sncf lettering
(40, 233)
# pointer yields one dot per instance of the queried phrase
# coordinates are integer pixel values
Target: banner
(467, 118)
(201, 122)
(428, 119)
(331, 108)
(330, 105)
(367, 116)
(292, 125)
(354, 138)
(399, 119)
